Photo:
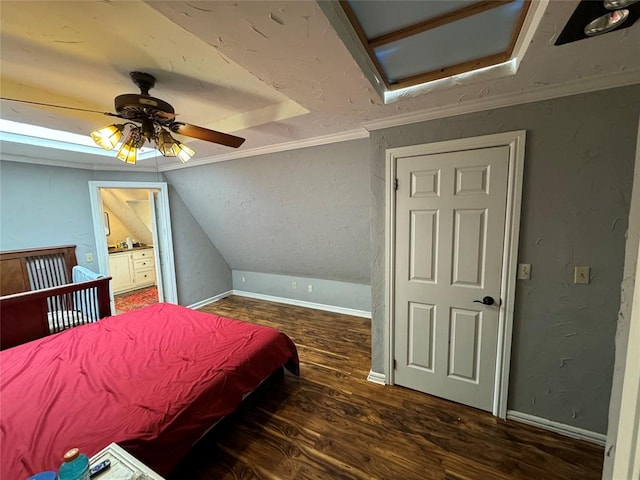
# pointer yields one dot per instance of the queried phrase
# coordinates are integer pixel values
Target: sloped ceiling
(129, 208)
(276, 73)
(303, 213)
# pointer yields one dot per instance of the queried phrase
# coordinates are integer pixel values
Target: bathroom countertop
(120, 250)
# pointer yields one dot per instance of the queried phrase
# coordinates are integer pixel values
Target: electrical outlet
(88, 257)
(310, 288)
(581, 275)
(294, 285)
(524, 271)
(243, 279)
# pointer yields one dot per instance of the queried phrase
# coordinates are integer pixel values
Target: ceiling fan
(147, 119)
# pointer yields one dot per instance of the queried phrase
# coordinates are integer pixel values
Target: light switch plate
(581, 275)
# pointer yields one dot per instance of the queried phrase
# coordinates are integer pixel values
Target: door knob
(486, 301)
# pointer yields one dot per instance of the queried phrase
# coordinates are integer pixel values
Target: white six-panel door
(449, 241)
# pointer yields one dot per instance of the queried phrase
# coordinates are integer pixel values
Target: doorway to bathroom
(134, 243)
(129, 236)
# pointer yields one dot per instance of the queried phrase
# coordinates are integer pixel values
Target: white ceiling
(275, 73)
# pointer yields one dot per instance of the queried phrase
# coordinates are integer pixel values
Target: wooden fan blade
(59, 106)
(206, 134)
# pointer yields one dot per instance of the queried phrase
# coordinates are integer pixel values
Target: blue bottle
(75, 466)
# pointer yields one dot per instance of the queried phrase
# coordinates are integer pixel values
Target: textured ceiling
(273, 72)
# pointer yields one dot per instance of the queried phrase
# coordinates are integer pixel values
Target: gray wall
(201, 272)
(354, 296)
(45, 206)
(302, 212)
(578, 175)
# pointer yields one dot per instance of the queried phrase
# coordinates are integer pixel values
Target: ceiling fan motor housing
(134, 106)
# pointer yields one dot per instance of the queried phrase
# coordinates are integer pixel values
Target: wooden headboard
(17, 265)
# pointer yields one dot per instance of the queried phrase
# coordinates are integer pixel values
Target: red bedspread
(152, 381)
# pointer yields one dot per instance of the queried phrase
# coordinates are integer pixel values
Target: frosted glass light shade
(167, 145)
(107, 137)
(128, 153)
(185, 153)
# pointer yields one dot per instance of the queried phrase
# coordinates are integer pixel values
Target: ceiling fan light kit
(109, 138)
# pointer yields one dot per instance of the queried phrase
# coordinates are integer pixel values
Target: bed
(152, 380)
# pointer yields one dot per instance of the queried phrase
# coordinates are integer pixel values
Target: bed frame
(37, 297)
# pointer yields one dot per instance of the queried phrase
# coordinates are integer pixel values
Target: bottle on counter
(75, 466)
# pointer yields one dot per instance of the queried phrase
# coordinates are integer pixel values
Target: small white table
(124, 466)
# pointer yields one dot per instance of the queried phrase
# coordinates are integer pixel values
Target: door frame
(163, 233)
(516, 142)
(626, 454)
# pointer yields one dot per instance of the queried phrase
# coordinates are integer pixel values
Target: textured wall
(201, 272)
(118, 232)
(577, 187)
(301, 212)
(128, 216)
(44, 206)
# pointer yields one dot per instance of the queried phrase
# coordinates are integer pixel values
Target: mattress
(62, 319)
(152, 380)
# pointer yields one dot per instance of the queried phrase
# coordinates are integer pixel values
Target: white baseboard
(375, 377)
(301, 303)
(206, 301)
(561, 428)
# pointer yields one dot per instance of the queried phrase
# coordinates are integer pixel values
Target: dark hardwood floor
(332, 423)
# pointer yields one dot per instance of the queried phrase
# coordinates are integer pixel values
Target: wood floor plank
(331, 423)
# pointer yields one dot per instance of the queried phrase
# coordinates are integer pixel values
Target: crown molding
(278, 147)
(591, 84)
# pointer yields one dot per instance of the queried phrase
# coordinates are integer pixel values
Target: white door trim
(515, 141)
(626, 454)
(170, 292)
